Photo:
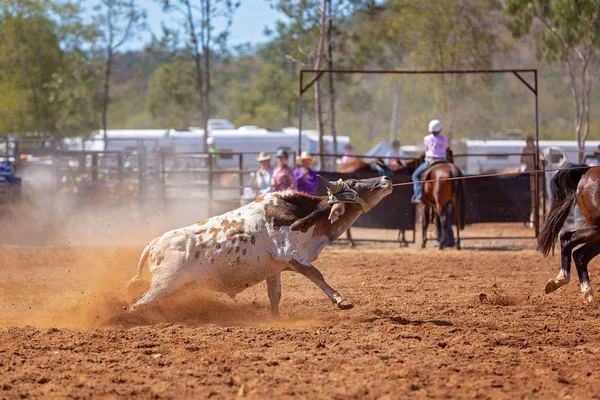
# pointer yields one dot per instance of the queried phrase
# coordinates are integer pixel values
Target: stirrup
(415, 200)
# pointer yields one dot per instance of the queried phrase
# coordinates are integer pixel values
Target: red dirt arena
(426, 324)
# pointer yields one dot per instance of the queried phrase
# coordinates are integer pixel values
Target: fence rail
(163, 178)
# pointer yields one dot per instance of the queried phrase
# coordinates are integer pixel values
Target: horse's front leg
(349, 235)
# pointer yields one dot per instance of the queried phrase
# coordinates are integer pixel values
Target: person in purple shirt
(306, 179)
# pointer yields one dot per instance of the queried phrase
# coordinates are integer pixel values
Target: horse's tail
(563, 188)
(459, 189)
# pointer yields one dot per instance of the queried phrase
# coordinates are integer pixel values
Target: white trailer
(497, 155)
(246, 139)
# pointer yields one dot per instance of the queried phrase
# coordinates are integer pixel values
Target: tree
(307, 38)
(199, 27)
(117, 21)
(570, 35)
(446, 34)
(47, 79)
(171, 95)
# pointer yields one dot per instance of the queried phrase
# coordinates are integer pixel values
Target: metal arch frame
(517, 72)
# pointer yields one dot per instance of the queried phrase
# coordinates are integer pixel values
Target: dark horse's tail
(459, 189)
(563, 188)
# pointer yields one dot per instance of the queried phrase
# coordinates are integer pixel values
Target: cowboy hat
(263, 156)
(305, 155)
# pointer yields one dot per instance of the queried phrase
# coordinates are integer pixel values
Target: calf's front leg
(309, 271)
(274, 290)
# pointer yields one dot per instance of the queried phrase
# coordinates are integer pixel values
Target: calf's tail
(138, 276)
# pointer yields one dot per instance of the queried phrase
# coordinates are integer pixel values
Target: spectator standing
(528, 164)
(283, 176)
(212, 148)
(306, 178)
(264, 174)
(528, 155)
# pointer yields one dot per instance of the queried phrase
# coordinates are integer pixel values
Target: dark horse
(579, 183)
(439, 195)
(377, 166)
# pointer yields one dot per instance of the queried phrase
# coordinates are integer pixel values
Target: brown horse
(580, 183)
(438, 195)
(364, 166)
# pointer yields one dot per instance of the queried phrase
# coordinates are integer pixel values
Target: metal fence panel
(394, 212)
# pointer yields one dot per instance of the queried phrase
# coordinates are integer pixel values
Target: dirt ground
(426, 324)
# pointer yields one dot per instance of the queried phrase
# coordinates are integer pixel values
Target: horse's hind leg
(455, 211)
(564, 275)
(424, 224)
(443, 225)
(582, 256)
(568, 241)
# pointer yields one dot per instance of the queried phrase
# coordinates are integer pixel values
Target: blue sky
(249, 22)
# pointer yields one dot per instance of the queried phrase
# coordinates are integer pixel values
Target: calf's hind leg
(163, 284)
(309, 271)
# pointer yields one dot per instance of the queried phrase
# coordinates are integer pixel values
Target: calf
(279, 231)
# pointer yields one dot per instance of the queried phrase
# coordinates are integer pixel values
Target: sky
(249, 22)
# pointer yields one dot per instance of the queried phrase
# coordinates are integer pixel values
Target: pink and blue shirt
(436, 146)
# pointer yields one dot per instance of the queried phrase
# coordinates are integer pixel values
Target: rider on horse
(436, 148)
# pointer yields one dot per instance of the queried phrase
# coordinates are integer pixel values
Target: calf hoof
(345, 305)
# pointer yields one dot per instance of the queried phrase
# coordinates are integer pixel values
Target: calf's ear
(337, 210)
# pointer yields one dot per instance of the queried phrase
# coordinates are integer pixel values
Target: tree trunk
(105, 97)
(292, 69)
(207, 110)
(395, 110)
(198, 64)
(331, 83)
(318, 110)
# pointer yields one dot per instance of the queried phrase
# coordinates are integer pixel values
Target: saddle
(434, 164)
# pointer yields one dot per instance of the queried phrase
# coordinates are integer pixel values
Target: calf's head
(365, 192)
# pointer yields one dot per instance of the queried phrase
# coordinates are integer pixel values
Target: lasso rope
(486, 175)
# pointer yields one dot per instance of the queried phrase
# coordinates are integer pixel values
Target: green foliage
(171, 96)
(47, 85)
(51, 69)
(569, 24)
(571, 35)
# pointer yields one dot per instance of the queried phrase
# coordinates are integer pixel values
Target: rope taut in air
(486, 176)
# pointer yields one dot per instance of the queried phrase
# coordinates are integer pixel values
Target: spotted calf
(280, 231)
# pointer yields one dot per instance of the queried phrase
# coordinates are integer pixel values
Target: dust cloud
(69, 259)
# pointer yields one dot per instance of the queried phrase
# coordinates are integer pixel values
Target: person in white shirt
(264, 174)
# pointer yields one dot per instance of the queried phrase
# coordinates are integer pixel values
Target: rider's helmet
(435, 126)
